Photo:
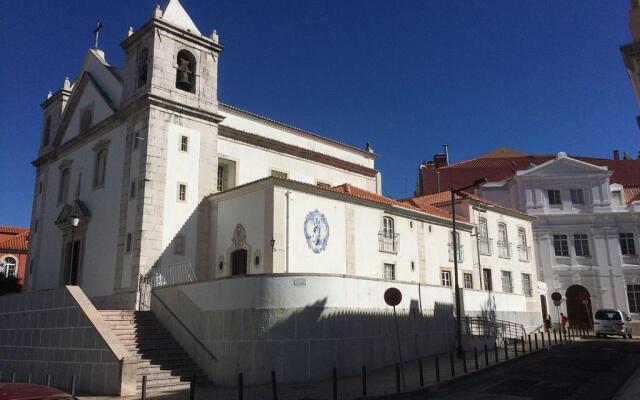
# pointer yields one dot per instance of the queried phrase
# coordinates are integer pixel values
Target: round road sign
(555, 296)
(392, 296)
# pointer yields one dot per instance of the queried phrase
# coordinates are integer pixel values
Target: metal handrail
(172, 274)
(205, 348)
(478, 326)
(388, 243)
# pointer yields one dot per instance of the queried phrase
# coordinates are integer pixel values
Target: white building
(586, 232)
(262, 234)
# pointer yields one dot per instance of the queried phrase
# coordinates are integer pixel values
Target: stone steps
(160, 357)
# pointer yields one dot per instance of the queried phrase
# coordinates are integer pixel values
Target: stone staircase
(167, 366)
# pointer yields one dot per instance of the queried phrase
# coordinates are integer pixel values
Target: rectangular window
(561, 245)
(527, 289)
(136, 139)
(507, 283)
(178, 245)
(40, 187)
(35, 226)
(184, 143)
(633, 294)
(182, 192)
(389, 272)
(554, 197)
(468, 281)
(487, 281)
(132, 189)
(127, 248)
(63, 188)
(445, 278)
(279, 174)
(577, 196)
(627, 244)
(581, 244)
(222, 178)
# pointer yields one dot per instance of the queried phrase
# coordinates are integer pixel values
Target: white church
(256, 237)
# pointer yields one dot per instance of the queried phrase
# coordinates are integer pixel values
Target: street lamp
(74, 221)
(453, 191)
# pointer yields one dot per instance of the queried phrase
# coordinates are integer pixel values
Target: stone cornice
(281, 147)
(162, 25)
(183, 108)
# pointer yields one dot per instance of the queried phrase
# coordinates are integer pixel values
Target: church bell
(183, 78)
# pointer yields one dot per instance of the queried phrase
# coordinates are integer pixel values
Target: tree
(9, 284)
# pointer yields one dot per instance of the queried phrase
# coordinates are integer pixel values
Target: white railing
(172, 274)
(485, 245)
(523, 253)
(460, 253)
(388, 243)
(504, 249)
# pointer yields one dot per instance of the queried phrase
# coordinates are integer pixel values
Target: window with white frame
(459, 248)
(581, 244)
(504, 248)
(523, 248)
(222, 178)
(527, 288)
(389, 272)
(577, 196)
(182, 192)
(387, 237)
(178, 245)
(507, 282)
(445, 278)
(484, 243)
(554, 197)
(616, 198)
(633, 294)
(627, 244)
(561, 245)
(99, 168)
(8, 266)
(184, 143)
(468, 280)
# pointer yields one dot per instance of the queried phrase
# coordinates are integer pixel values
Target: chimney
(616, 155)
(440, 160)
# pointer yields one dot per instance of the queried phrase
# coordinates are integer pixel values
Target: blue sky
(406, 76)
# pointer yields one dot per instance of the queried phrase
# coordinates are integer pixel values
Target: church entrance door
(72, 266)
(239, 262)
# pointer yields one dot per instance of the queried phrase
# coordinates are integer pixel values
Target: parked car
(612, 322)
(27, 391)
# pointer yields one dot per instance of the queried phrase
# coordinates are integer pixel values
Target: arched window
(388, 228)
(523, 249)
(484, 242)
(86, 120)
(47, 131)
(186, 71)
(99, 168)
(63, 188)
(8, 266)
(142, 67)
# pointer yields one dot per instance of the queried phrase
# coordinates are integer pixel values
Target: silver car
(612, 322)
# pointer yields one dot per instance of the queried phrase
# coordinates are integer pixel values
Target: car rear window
(608, 315)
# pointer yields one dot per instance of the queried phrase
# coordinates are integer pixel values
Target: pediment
(563, 166)
(87, 95)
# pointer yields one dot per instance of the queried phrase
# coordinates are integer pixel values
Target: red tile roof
(19, 242)
(444, 198)
(625, 172)
(12, 230)
(354, 191)
(631, 194)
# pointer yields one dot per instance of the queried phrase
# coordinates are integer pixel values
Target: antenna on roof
(96, 32)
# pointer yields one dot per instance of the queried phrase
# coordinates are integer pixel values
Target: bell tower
(169, 58)
(631, 51)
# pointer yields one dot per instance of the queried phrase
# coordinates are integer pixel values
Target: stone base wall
(116, 301)
(58, 332)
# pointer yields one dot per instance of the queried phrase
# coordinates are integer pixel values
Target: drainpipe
(286, 264)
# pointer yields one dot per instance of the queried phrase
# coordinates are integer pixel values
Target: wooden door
(239, 262)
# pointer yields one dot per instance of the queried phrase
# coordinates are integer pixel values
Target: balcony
(388, 243)
(485, 245)
(504, 249)
(524, 253)
(460, 252)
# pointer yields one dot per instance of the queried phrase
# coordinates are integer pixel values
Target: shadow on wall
(488, 309)
(305, 343)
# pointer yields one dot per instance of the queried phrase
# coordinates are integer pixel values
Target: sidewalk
(379, 382)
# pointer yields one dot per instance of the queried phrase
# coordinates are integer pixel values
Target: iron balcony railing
(485, 245)
(460, 252)
(504, 249)
(388, 242)
(523, 253)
